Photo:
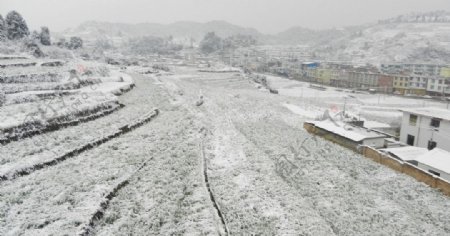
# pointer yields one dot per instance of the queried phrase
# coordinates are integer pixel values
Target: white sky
(268, 16)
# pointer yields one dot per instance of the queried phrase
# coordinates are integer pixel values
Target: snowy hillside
(412, 38)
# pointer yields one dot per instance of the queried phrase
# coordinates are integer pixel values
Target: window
(412, 120)
(435, 123)
(431, 145)
(434, 172)
(410, 140)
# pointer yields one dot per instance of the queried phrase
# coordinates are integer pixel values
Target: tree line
(212, 43)
(14, 28)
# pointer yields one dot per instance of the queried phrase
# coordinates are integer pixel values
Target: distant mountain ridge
(427, 17)
(195, 30)
(415, 37)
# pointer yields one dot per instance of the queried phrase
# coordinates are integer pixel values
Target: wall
(386, 160)
(352, 145)
(427, 168)
(423, 133)
(375, 142)
(407, 168)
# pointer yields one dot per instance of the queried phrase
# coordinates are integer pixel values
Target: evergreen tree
(75, 43)
(45, 36)
(16, 26)
(211, 43)
(2, 29)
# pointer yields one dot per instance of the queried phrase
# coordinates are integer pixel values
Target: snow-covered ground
(36, 97)
(267, 175)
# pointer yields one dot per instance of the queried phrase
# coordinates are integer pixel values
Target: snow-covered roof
(430, 112)
(436, 158)
(408, 153)
(356, 134)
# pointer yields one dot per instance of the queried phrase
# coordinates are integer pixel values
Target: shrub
(75, 43)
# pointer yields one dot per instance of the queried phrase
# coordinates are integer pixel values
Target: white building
(437, 162)
(351, 135)
(426, 127)
(438, 85)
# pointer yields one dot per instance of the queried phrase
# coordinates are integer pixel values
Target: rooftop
(433, 112)
(356, 134)
(408, 153)
(436, 158)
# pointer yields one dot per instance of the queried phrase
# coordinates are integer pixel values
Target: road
(240, 164)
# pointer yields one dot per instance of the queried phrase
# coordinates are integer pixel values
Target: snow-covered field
(38, 97)
(239, 162)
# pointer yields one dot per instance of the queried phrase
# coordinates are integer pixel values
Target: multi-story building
(401, 83)
(426, 127)
(323, 76)
(417, 85)
(445, 72)
(385, 83)
(413, 68)
(438, 86)
(365, 80)
(339, 78)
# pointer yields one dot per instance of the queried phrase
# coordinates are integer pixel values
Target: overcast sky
(268, 16)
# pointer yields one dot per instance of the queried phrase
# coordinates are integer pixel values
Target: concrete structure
(419, 69)
(346, 135)
(408, 153)
(417, 85)
(438, 86)
(323, 76)
(385, 83)
(400, 84)
(436, 162)
(426, 127)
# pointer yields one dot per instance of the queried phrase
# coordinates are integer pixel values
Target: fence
(407, 168)
(386, 160)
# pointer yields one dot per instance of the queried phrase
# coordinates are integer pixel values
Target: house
(346, 135)
(400, 84)
(423, 69)
(426, 127)
(385, 83)
(406, 154)
(437, 162)
(417, 85)
(324, 76)
(438, 86)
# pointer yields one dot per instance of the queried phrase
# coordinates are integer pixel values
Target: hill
(416, 37)
(185, 29)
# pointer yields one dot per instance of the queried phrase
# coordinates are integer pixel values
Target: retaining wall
(384, 159)
(407, 168)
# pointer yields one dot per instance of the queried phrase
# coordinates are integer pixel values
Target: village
(210, 128)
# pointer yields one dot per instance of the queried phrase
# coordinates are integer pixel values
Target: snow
(436, 158)
(351, 132)
(430, 112)
(311, 114)
(408, 153)
(268, 175)
(370, 124)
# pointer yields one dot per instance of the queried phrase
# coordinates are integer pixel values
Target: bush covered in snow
(75, 43)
